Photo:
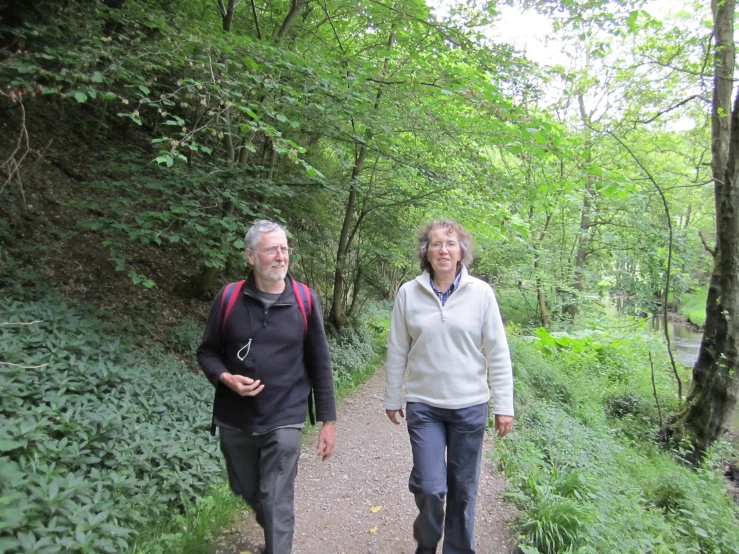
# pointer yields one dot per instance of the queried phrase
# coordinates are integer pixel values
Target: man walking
(264, 349)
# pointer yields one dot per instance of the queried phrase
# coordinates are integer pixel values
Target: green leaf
(611, 189)
(81, 97)
(9, 445)
(144, 89)
(281, 118)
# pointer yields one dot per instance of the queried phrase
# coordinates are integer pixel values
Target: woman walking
(446, 331)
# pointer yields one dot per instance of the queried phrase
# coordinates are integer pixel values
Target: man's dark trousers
(262, 469)
(459, 433)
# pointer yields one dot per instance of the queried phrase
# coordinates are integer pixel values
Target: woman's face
(444, 251)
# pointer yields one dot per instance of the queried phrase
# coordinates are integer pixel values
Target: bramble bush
(96, 441)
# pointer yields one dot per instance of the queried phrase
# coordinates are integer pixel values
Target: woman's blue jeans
(458, 434)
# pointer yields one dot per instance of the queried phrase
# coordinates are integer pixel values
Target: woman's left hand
(503, 424)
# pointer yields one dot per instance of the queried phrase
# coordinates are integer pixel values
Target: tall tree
(710, 403)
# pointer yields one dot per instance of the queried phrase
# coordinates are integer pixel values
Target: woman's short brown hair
(463, 235)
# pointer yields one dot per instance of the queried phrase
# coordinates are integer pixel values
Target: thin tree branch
(710, 182)
(711, 251)
(386, 82)
(668, 110)
(256, 19)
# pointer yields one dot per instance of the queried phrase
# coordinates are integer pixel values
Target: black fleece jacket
(286, 360)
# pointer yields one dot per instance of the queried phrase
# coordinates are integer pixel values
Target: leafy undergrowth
(98, 441)
(360, 349)
(584, 464)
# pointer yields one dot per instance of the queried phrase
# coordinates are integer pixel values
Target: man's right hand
(391, 414)
(241, 385)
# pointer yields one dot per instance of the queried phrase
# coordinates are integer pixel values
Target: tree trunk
(295, 8)
(228, 16)
(336, 314)
(540, 295)
(707, 411)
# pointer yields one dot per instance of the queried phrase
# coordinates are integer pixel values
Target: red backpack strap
(302, 294)
(230, 294)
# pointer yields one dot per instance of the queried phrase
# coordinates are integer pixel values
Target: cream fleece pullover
(442, 348)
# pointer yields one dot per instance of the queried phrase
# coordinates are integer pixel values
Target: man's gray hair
(255, 232)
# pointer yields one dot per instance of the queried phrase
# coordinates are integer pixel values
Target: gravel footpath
(358, 501)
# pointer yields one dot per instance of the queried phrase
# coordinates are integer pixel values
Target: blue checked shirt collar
(444, 296)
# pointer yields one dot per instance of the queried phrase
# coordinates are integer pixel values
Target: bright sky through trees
(531, 32)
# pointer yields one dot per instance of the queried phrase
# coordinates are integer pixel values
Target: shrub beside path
(358, 501)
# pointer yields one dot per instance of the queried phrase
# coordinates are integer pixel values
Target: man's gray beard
(277, 273)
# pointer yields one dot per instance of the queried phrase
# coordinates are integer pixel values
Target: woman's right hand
(392, 415)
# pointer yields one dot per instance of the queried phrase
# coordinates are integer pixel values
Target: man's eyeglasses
(272, 251)
(437, 245)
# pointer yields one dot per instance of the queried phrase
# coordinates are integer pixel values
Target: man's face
(270, 256)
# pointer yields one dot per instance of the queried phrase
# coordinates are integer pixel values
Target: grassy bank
(693, 306)
(584, 464)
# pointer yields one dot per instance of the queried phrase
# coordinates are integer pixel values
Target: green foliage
(590, 484)
(551, 386)
(184, 338)
(175, 209)
(350, 350)
(360, 348)
(623, 403)
(98, 442)
(192, 531)
(694, 306)
(518, 306)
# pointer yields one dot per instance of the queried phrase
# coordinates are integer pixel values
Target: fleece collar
(425, 279)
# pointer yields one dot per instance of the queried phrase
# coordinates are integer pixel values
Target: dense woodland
(141, 137)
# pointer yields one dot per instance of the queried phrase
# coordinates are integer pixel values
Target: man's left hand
(503, 424)
(326, 440)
